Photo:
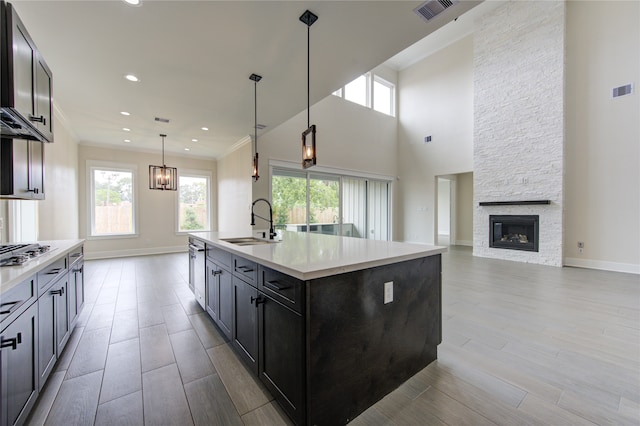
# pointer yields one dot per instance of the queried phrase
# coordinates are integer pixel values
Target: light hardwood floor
(523, 344)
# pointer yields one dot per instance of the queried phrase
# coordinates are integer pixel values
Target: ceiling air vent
(162, 120)
(432, 8)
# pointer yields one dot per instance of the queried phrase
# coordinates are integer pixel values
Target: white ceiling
(194, 59)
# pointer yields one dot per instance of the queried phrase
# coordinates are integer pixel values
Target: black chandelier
(162, 177)
(308, 143)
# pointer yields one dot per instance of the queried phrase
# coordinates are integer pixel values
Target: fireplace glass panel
(514, 232)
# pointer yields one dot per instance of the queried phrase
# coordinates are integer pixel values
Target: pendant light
(162, 177)
(308, 143)
(255, 78)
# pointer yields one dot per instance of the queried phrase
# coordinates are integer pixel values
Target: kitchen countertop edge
(258, 254)
(10, 276)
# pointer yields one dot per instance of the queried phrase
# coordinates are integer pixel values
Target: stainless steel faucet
(270, 220)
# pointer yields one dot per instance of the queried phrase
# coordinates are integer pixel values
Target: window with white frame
(371, 91)
(383, 96)
(112, 199)
(358, 90)
(194, 205)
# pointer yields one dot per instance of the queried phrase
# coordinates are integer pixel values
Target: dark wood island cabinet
(328, 334)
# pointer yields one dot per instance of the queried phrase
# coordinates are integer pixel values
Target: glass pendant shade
(255, 175)
(162, 177)
(309, 147)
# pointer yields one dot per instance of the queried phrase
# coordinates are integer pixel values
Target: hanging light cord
(163, 151)
(308, 74)
(255, 115)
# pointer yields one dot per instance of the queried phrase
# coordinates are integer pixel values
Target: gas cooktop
(18, 254)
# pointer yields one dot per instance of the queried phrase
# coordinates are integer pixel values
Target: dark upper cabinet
(19, 367)
(27, 83)
(21, 169)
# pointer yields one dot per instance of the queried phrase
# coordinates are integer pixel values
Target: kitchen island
(329, 324)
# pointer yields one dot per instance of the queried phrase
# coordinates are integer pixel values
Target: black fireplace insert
(514, 232)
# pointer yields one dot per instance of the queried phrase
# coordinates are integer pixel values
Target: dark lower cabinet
(281, 362)
(76, 290)
(245, 322)
(19, 367)
(53, 325)
(220, 297)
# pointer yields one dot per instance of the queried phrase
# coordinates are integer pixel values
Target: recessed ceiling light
(127, 140)
(126, 129)
(205, 128)
(132, 2)
(124, 113)
(132, 77)
(187, 149)
(194, 140)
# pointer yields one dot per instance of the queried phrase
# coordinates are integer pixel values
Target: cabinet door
(14, 173)
(36, 170)
(78, 274)
(63, 325)
(24, 52)
(213, 289)
(282, 356)
(42, 99)
(225, 309)
(46, 336)
(245, 322)
(19, 367)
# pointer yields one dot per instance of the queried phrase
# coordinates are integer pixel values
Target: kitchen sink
(248, 241)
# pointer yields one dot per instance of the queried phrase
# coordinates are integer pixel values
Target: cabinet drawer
(76, 254)
(246, 269)
(220, 257)
(282, 287)
(16, 300)
(48, 274)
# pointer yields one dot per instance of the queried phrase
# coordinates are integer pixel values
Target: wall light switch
(388, 292)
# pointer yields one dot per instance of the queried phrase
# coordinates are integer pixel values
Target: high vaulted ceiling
(194, 59)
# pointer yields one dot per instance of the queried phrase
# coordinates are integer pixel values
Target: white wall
(444, 206)
(436, 99)
(464, 209)
(234, 188)
(58, 213)
(157, 210)
(603, 135)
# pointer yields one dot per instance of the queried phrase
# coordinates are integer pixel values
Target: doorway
(445, 219)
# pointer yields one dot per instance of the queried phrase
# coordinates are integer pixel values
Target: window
(383, 96)
(193, 202)
(358, 90)
(367, 91)
(112, 199)
(329, 203)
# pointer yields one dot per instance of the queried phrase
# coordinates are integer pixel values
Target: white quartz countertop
(307, 255)
(12, 275)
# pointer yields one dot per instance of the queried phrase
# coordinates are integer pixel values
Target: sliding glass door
(331, 204)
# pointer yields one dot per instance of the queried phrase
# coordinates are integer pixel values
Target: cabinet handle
(11, 343)
(75, 255)
(34, 190)
(59, 292)
(40, 119)
(244, 269)
(54, 271)
(12, 304)
(218, 272)
(275, 285)
(196, 248)
(257, 301)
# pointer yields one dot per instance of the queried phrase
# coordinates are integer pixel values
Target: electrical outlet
(388, 292)
(580, 246)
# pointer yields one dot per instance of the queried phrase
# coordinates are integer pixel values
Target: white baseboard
(464, 243)
(88, 255)
(629, 268)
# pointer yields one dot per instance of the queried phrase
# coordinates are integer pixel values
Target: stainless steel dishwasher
(197, 270)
